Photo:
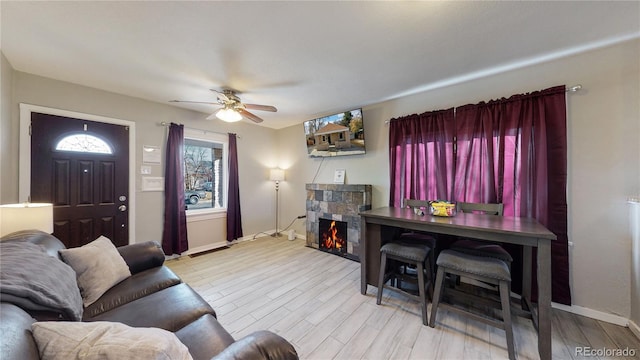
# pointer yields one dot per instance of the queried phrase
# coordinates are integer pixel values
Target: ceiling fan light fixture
(228, 115)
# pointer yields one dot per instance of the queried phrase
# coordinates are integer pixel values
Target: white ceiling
(306, 58)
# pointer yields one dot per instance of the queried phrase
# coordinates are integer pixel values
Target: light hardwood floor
(313, 299)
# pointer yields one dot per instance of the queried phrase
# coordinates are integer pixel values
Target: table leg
(526, 277)
(370, 255)
(544, 299)
(363, 256)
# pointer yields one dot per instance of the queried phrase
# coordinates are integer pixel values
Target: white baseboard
(594, 314)
(267, 233)
(204, 248)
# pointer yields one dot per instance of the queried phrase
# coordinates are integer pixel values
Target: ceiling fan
(232, 108)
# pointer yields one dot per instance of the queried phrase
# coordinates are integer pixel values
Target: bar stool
(482, 248)
(413, 237)
(407, 254)
(481, 268)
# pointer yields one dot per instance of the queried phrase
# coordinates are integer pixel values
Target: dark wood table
(514, 230)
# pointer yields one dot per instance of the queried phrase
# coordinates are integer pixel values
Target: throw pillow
(63, 340)
(98, 266)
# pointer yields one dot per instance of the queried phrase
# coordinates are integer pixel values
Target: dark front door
(82, 167)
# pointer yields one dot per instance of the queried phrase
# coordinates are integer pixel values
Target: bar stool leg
(383, 269)
(421, 292)
(436, 296)
(506, 317)
(431, 274)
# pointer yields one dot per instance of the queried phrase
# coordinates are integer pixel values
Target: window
(205, 170)
(84, 143)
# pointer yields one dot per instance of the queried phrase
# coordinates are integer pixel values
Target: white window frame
(203, 135)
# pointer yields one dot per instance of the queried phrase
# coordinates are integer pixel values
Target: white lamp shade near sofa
(276, 175)
(26, 216)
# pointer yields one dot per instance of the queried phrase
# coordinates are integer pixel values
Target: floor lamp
(276, 175)
(26, 216)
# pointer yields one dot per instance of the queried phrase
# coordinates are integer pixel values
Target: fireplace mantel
(342, 202)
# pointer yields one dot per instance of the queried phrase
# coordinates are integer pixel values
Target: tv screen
(335, 135)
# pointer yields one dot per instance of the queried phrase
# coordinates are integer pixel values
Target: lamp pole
(276, 175)
(277, 233)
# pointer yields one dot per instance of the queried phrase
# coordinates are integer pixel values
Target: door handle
(122, 207)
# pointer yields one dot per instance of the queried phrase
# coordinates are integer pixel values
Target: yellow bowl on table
(442, 208)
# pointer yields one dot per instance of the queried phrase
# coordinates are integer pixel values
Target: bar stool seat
(408, 254)
(482, 248)
(415, 253)
(481, 268)
(474, 264)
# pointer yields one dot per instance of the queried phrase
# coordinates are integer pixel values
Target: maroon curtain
(421, 156)
(234, 217)
(543, 182)
(174, 233)
(479, 141)
(512, 151)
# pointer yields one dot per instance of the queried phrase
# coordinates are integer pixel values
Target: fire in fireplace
(333, 236)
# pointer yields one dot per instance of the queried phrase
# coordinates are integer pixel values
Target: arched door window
(84, 143)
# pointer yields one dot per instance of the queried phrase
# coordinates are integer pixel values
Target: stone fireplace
(340, 203)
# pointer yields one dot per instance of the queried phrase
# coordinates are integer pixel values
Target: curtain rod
(574, 88)
(203, 130)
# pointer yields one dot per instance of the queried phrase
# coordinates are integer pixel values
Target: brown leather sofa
(153, 296)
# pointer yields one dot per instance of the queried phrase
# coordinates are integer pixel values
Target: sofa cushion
(204, 337)
(170, 309)
(132, 288)
(98, 266)
(64, 340)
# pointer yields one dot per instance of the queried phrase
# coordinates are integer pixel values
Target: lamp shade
(26, 216)
(276, 175)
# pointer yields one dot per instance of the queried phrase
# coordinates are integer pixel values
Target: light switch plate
(145, 170)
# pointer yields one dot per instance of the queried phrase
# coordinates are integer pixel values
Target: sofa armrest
(16, 342)
(142, 256)
(259, 345)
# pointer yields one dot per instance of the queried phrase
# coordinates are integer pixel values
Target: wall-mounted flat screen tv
(335, 135)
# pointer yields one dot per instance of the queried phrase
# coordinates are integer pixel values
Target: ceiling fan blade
(194, 102)
(261, 107)
(250, 116)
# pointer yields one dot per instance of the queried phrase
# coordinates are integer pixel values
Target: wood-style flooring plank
(313, 299)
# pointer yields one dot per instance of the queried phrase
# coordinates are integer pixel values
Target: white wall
(8, 163)
(603, 159)
(371, 168)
